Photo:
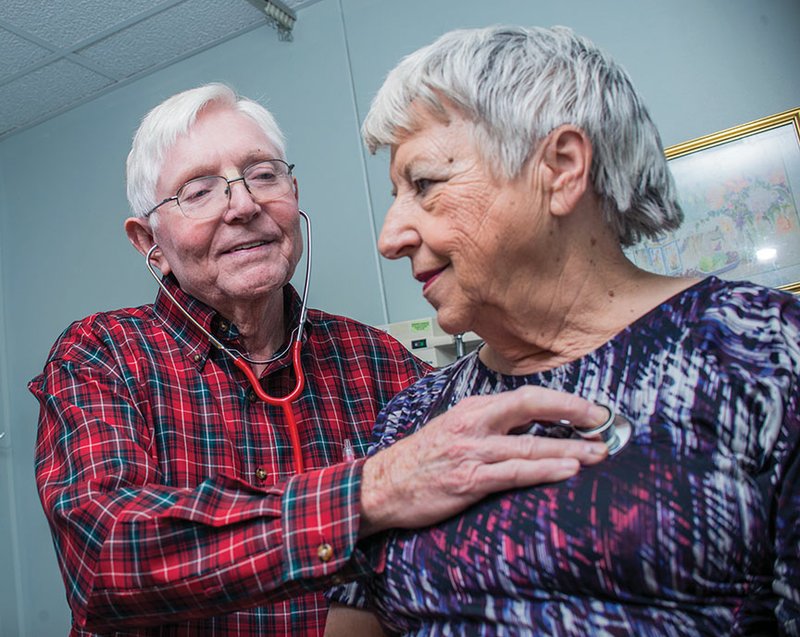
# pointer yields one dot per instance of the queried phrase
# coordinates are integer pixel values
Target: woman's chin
(451, 322)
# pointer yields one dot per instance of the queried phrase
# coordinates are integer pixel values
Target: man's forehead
(219, 140)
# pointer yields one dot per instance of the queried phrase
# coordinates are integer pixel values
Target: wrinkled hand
(466, 453)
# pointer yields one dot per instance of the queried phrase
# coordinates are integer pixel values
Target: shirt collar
(192, 340)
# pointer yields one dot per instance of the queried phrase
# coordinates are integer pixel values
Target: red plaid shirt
(169, 487)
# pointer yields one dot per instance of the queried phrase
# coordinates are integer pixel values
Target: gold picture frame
(740, 192)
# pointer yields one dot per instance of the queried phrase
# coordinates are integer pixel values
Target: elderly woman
(522, 161)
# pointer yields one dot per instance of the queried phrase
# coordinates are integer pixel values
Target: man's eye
(197, 190)
(196, 194)
(262, 176)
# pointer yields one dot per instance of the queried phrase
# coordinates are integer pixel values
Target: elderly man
(180, 502)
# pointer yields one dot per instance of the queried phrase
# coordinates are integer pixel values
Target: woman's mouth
(428, 277)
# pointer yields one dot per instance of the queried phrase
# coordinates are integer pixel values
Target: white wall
(702, 65)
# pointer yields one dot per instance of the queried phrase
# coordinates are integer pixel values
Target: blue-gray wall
(702, 65)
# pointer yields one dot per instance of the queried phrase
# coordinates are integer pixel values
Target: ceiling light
(279, 16)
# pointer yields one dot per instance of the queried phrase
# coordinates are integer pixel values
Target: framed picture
(740, 193)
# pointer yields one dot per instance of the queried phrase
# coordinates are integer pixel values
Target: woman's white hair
(518, 84)
(162, 126)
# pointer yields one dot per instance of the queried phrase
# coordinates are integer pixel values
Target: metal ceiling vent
(279, 16)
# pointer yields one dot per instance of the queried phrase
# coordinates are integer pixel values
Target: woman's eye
(423, 185)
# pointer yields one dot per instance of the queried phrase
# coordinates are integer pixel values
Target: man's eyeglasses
(206, 197)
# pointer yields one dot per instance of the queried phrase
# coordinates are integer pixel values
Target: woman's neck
(550, 325)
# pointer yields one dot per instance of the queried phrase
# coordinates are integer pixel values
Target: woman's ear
(140, 234)
(568, 158)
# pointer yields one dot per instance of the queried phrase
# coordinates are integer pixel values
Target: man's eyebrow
(256, 156)
(187, 174)
(206, 170)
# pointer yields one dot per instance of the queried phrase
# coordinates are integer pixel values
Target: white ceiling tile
(123, 39)
(50, 89)
(17, 53)
(67, 22)
(173, 34)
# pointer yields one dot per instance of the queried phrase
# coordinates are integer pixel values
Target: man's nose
(241, 204)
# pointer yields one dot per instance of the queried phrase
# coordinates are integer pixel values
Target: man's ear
(568, 157)
(140, 234)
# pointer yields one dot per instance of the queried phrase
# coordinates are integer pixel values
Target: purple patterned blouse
(692, 529)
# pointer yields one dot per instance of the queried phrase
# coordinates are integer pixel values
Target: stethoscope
(615, 431)
(243, 362)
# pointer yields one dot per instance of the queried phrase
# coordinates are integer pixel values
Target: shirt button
(251, 395)
(223, 326)
(325, 552)
(197, 358)
(261, 474)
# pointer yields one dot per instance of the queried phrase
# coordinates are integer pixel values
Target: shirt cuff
(321, 517)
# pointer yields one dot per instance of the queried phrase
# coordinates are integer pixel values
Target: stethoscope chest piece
(615, 431)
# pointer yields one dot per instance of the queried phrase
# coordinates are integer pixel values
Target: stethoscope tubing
(285, 402)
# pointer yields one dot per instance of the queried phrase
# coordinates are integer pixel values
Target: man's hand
(466, 453)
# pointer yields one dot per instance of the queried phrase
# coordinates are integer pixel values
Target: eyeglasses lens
(208, 196)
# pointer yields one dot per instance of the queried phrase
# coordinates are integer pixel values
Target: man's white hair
(162, 126)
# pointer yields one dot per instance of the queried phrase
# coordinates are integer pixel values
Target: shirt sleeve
(135, 552)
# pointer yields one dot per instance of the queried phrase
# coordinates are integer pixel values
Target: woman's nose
(398, 236)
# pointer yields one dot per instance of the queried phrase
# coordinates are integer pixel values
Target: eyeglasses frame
(289, 169)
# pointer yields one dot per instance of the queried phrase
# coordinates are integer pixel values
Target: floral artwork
(741, 201)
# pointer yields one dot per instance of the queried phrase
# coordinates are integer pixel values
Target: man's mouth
(247, 246)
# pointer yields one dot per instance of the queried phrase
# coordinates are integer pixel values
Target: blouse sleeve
(786, 583)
